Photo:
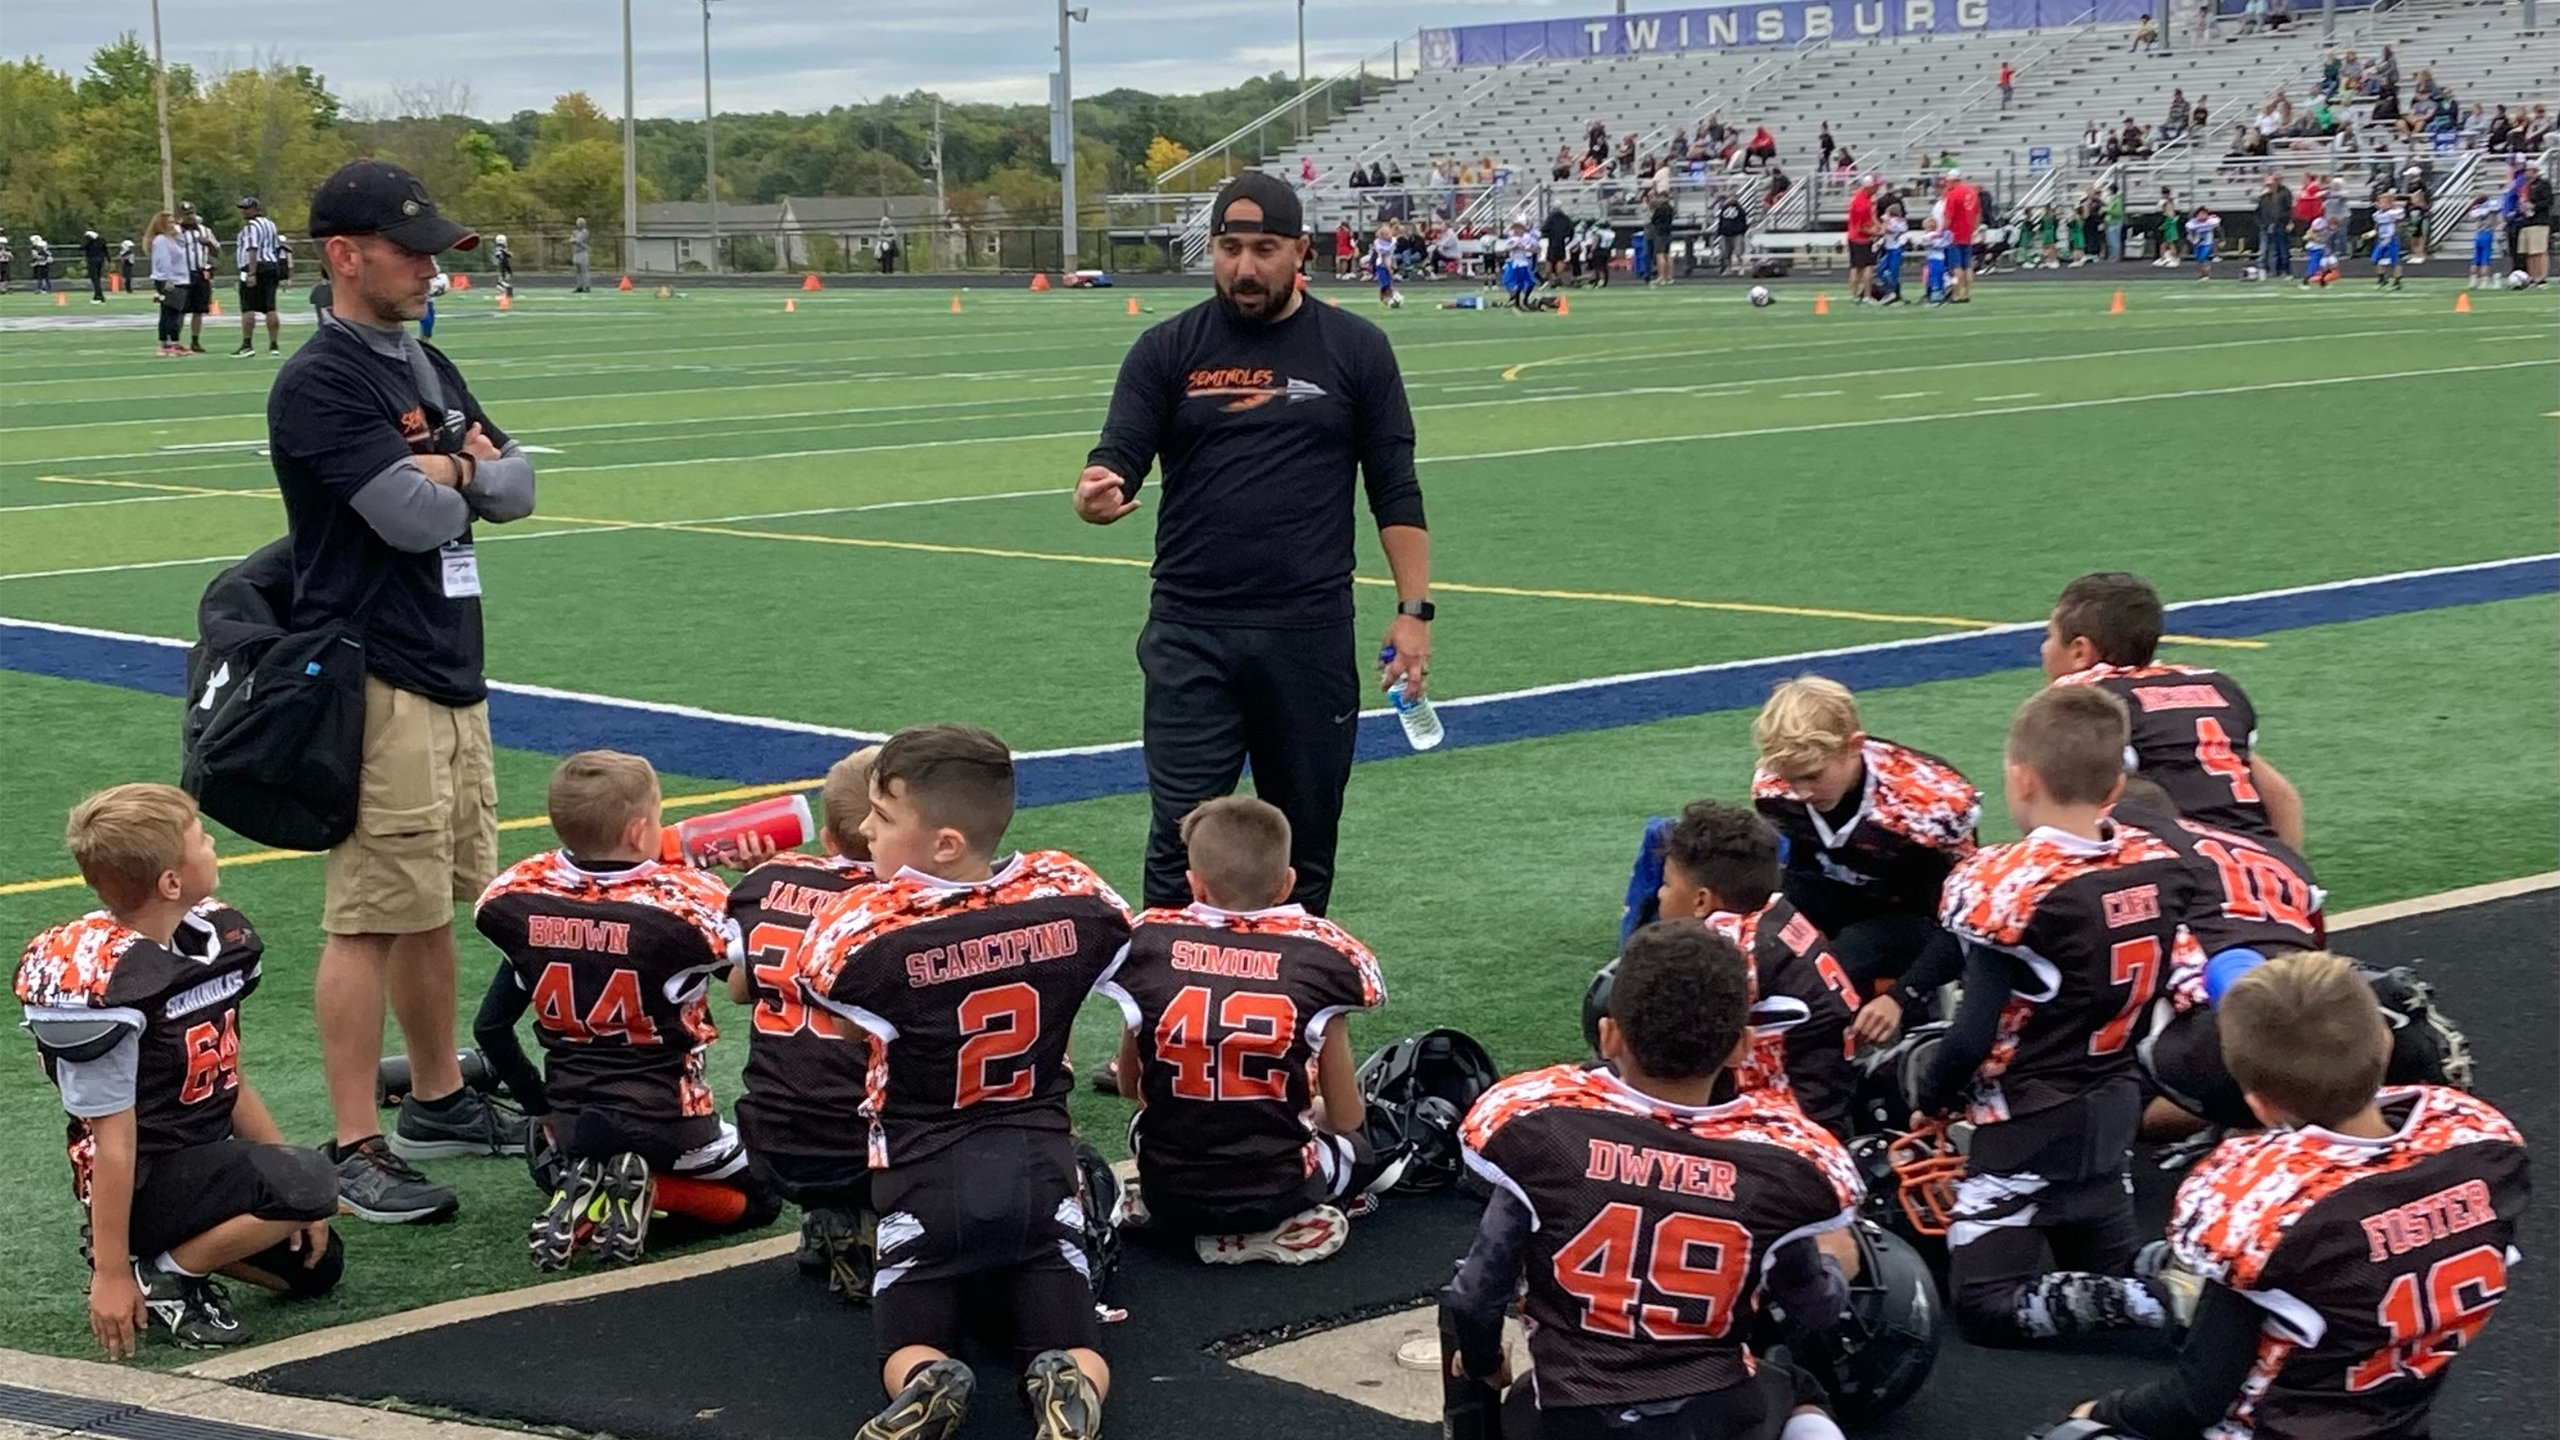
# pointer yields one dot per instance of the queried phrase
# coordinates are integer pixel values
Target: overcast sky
(766, 54)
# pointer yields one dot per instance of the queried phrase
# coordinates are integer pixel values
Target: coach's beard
(1249, 300)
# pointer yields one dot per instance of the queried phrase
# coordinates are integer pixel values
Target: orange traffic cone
(1039, 282)
(59, 298)
(626, 283)
(2116, 306)
(461, 282)
(115, 284)
(1821, 304)
(1133, 304)
(1564, 305)
(790, 306)
(810, 281)
(506, 301)
(2462, 303)
(216, 308)
(955, 303)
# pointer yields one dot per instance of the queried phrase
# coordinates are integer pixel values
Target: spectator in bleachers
(2538, 133)
(2090, 145)
(1395, 174)
(1778, 187)
(2008, 83)
(2176, 124)
(2204, 21)
(2357, 76)
(2135, 141)
(1824, 143)
(1625, 163)
(2387, 69)
(2146, 35)
(2332, 74)
(2279, 14)
(1564, 164)
(2386, 105)
(2501, 131)
(1596, 142)
(1679, 146)
(2252, 15)
(1717, 134)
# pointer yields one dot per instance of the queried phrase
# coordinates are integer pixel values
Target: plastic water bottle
(1421, 726)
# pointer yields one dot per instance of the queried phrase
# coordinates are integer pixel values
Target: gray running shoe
(377, 1185)
(193, 1310)
(930, 1407)
(469, 1126)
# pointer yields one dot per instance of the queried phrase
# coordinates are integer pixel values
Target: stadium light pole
(1302, 71)
(160, 96)
(710, 150)
(1067, 138)
(630, 157)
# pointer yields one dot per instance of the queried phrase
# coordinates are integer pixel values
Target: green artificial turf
(1646, 455)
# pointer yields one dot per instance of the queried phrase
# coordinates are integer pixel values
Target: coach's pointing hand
(1098, 496)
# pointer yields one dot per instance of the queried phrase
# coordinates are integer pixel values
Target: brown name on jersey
(1643, 1166)
(2428, 1219)
(573, 932)
(2131, 907)
(793, 899)
(2181, 697)
(1227, 960)
(1004, 950)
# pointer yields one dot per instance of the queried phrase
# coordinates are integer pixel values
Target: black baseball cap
(369, 197)
(1279, 204)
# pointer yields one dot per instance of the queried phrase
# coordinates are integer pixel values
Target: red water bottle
(708, 840)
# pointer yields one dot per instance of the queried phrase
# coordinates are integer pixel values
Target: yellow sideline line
(262, 493)
(524, 822)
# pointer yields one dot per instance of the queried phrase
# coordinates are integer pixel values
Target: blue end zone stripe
(755, 754)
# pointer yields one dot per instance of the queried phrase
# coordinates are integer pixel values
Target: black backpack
(273, 735)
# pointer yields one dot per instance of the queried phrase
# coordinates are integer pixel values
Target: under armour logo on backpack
(212, 686)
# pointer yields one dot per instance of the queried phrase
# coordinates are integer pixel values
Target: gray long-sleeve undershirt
(412, 512)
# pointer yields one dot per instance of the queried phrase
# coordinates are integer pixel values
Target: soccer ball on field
(1759, 296)
(1395, 300)
(2517, 279)
(439, 285)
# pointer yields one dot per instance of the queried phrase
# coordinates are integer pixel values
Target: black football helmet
(1882, 1350)
(1426, 1083)
(2426, 1048)
(1882, 1104)
(1595, 1003)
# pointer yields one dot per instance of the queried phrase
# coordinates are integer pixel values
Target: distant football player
(2202, 227)
(1382, 264)
(1651, 1210)
(615, 953)
(135, 1010)
(1871, 828)
(1720, 866)
(965, 970)
(2390, 211)
(2069, 934)
(1238, 1051)
(807, 1067)
(2194, 730)
(2351, 1250)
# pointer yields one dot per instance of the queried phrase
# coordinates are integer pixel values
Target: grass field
(853, 516)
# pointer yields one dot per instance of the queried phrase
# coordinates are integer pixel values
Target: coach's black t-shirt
(339, 415)
(1259, 427)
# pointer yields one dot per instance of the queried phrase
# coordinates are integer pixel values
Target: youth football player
(2484, 244)
(2069, 934)
(1650, 1209)
(2317, 262)
(614, 953)
(805, 1078)
(1872, 828)
(1519, 264)
(1382, 264)
(965, 969)
(1248, 1136)
(135, 1011)
(2194, 730)
(2388, 213)
(2351, 1250)
(1720, 866)
(2202, 227)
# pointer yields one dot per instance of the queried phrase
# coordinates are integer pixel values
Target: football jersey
(1520, 249)
(1802, 1002)
(1652, 1225)
(1895, 838)
(2376, 1261)
(805, 1064)
(1230, 1011)
(2097, 923)
(181, 999)
(967, 992)
(618, 963)
(2249, 894)
(2193, 729)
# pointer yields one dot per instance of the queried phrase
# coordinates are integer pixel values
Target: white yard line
(2446, 900)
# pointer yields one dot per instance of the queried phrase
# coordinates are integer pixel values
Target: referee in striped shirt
(260, 269)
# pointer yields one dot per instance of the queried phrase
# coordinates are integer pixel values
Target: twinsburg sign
(1782, 23)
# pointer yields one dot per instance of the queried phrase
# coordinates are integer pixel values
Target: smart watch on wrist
(1421, 610)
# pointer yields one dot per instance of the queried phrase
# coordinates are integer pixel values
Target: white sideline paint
(2448, 900)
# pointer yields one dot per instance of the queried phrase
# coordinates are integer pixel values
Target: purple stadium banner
(1784, 22)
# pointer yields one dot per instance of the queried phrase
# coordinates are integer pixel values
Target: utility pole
(1302, 70)
(630, 156)
(160, 93)
(1062, 138)
(710, 150)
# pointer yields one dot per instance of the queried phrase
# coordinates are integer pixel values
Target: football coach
(386, 462)
(1260, 405)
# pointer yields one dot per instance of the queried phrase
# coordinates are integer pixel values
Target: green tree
(574, 119)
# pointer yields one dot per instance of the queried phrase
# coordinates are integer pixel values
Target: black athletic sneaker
(195, 347)
(840, 1245)
(193, 1310)
(620, 1210)
(468, 1126)
(244, 350)
(563, 1223)
(1064, 1404)
(375, 1184)
(931, 1406)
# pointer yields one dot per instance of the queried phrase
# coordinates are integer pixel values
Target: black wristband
(1421, 610)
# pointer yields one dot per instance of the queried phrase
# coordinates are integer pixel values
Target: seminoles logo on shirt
(1248, 389)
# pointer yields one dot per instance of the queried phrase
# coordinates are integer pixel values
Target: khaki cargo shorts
(426, 818)
(2533, 240)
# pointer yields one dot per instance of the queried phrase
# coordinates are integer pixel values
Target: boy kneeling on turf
(965, 970)
(615, 953)
(2349, 1250)
(808, 1068)
(1248, 1136)
(135, 1009)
